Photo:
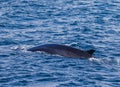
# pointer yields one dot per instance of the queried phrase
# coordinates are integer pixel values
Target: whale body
(63, 50)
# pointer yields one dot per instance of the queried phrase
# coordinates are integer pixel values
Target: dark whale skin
(63, 50)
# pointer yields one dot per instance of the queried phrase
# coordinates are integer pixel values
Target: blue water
(84, 24)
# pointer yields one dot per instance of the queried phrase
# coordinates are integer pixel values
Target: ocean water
(83, 24)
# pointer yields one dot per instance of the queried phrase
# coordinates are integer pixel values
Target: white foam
(94, 59)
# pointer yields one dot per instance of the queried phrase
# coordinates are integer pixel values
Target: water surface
(84, 24)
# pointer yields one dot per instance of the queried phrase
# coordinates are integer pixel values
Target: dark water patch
(44, 79)
(7, 42)
(20, 83)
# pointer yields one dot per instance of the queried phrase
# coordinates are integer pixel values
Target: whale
(63, 50)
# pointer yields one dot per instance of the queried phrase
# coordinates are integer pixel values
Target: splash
(94, 59)
(108, 61)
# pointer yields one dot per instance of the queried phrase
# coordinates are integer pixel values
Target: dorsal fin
(91, 51)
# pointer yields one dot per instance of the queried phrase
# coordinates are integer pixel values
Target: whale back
(63, 50)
